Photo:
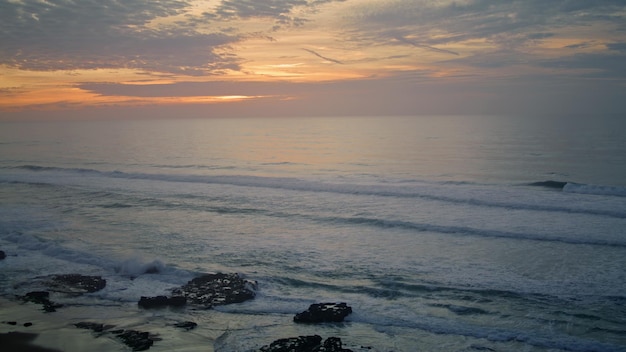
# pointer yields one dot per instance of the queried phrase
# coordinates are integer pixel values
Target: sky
(173, 58)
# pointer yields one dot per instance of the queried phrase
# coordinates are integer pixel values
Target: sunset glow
(426, 54)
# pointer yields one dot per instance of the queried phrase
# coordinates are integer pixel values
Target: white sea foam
(127, 279)
(509, 197)
(595, 189)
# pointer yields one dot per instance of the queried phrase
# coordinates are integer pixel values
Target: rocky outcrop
(72, 284)
(2, 255)
(76, 283)
(216, 289)
(311, 343)
(137, 340)
(186, 325)
(41, 297)
(95, 327)
(162, 301)
(324, 312)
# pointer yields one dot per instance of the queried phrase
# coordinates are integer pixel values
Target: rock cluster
(207, 291)
(162, 301)
(66, 283)
(323, 312)
(76, 283)
(216, 289)
(41, 297)
(311, 343)
(137, 340)
(317, 313)
(2, 255)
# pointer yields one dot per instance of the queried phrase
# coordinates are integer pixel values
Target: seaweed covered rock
(312, 343)
(76, 283)
(217, 289)
(186, 325)
(43, 298)
(323, 312)
(68, 284)
(300, 343)
(162, 301)
(136, 340)
(95, 327)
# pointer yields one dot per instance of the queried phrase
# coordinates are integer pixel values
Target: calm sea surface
(439, 231)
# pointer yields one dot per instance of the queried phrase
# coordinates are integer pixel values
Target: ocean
(443, 233)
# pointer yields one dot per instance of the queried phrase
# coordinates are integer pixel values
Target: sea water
(440, 232)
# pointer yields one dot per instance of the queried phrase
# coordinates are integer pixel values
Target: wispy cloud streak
(322, 57)
(423, 46)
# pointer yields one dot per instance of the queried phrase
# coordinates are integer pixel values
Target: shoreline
(24, 327)
(216, 330)
(56, 331)
(186, 321)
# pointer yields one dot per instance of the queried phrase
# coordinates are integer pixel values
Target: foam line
(421, 192)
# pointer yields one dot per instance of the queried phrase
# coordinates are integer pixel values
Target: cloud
(323, 57)
(621, 47)
(596, 65)
(579, 45)
(389, 53)
(90, 34)
(417, 45)
(283, 12)
(504, 24)
(184, 89)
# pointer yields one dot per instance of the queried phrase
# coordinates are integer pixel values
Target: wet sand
(25, 327)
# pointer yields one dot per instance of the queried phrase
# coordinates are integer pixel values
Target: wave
(421, 191)
(193, 166)
(595, 189)
(549, 184)
(127, 279)
(461, 230)
(53, 168)
(581, 188)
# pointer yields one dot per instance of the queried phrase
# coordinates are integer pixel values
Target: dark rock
(305, 344)
(294, 344)
(137, 340)
(28, 324)
(10, 322)
(41, 297)
(2, 255)
(95, 327)
(37, 296)
(332, 344)
(76, 283)
(162, 301)
(323, 312)
(187, 325)
(217, 289)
